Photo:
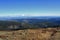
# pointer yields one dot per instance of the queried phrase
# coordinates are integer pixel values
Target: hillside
(31, 34)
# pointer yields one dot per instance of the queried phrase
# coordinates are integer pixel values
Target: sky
(29, 7)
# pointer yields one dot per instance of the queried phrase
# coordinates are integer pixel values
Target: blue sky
(29, 7)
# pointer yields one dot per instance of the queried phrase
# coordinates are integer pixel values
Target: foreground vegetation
(31, 34)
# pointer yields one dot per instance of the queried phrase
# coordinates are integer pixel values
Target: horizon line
(16, 15)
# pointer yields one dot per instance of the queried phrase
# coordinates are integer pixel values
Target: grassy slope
(31, 34)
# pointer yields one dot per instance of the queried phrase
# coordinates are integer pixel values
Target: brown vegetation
(31, 34)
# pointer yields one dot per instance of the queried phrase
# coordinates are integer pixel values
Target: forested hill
(32, 22)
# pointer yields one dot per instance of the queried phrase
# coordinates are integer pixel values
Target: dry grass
(31, 34)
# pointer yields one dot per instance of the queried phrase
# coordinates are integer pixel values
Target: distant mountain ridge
(28, 17)
(29, 22)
